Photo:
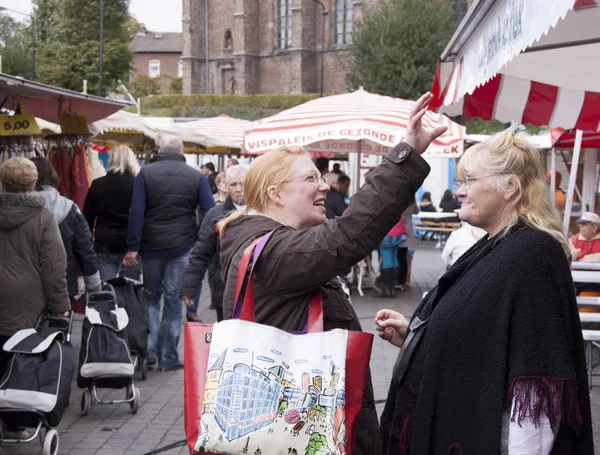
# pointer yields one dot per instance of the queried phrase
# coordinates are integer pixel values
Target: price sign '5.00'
(18, 125)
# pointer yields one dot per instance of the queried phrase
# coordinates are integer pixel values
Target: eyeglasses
(311, 178)
(468, 181)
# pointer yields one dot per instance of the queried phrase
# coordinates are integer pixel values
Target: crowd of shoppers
(503, 315)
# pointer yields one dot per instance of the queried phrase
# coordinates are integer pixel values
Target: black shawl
(503, 317)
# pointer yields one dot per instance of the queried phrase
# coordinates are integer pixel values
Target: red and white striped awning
(533, 61)
(336, 123)
(229, 128)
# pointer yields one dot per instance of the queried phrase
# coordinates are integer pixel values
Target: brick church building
(269, 46)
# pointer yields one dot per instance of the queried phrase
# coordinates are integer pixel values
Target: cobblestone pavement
(113, 430)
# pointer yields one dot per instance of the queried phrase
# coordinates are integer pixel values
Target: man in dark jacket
(206, 251)
(163, 228)
(335, 200)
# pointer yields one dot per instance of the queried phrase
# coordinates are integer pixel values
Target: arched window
(228, 41)
(284, 24)
(343, 22)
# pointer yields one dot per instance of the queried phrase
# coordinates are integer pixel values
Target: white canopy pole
(590, 185)
(553, 170)
(572, 180)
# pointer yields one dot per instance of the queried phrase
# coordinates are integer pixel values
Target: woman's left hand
(392, 326)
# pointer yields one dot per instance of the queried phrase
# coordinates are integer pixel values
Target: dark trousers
(402, 265)
(219, 314)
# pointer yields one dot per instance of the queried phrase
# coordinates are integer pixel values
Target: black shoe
(152, 364)
(175, 367)
(194, 318)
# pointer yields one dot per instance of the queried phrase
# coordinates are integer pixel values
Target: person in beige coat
(32, 257)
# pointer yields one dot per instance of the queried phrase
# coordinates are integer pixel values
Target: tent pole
(590, 184)
(572, 179)
(358, 160)
(553, 170)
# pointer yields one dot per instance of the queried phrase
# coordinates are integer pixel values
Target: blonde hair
(509, 154)
(18, 175)
(271, 169)
(123, 159)
(220, 178)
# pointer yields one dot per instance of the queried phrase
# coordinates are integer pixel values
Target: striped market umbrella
(357, 122)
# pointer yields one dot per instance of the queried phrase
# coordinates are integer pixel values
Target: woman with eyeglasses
(492, 360)
(285, 192)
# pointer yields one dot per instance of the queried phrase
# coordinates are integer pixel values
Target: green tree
(69, 43)
(142, 85)
(15, 47)
(396, 47)
(317, 445)
(132, 25)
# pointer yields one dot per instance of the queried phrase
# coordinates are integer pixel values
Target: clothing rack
(14, 146)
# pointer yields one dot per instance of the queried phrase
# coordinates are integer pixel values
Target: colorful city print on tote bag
(254, 389)
(271, 392)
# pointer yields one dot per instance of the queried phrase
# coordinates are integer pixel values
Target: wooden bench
(444, 227)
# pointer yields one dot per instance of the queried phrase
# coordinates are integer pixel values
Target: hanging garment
(79, 182)
(61, 163)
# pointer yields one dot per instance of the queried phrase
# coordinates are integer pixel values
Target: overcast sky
(157, 15)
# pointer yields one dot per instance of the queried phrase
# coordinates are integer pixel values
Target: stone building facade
(268, 46)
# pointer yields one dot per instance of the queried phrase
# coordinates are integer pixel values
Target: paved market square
(113, 430)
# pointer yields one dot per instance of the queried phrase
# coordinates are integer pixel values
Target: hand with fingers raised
(416, 136)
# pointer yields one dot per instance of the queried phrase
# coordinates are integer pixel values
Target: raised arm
(320, 253)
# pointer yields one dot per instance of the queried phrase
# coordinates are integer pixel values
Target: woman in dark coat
(106, 210)
(494, 361)
(284, 191)
(77, 238)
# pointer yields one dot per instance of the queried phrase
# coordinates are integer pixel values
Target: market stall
(531, 61)
(124, 128)
(229, 128)
(70, 152)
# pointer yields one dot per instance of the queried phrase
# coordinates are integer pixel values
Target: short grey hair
(171, 144)
(235, 170)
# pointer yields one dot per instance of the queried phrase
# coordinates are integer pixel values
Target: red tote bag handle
(244, 305)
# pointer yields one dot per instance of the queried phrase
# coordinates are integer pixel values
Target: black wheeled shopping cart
(130, 295)
(105, 359)
(35, 388)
